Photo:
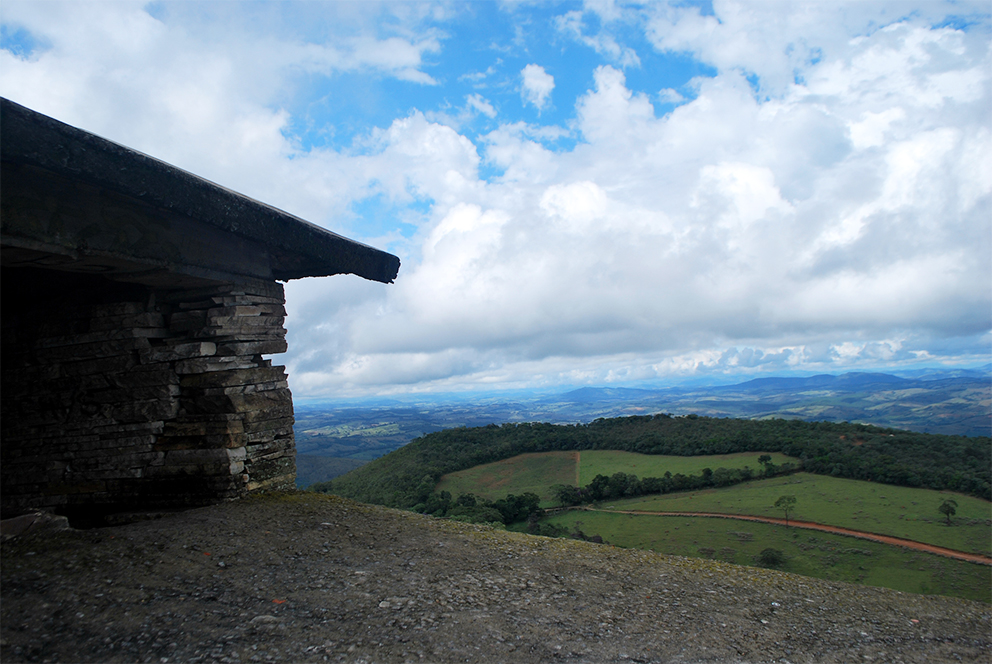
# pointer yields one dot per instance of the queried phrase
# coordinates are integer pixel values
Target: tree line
(857, 451)
(625, 485)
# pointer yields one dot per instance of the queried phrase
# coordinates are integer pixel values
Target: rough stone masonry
(138, 305)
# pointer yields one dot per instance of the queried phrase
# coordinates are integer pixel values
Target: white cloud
(870, 131)
(536, 85)
(670, 96)
(571, 25)
(836, 219)
(479, 104)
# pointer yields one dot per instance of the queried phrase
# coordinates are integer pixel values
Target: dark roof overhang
(296, 248)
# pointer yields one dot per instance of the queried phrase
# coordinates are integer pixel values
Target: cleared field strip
(535, 473)
(538, 472)
(884, 539)
(607, 462)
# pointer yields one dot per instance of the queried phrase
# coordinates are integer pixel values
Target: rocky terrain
(312, 578)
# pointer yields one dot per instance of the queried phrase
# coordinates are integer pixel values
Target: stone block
(265, 435)
(268, 347)
(246, 389)
(145, 376)
(204, 441)
(211, 364)
(203, 427)
(138, 411)
(235, 377)
(154, 427)
(277, 423)
(239, 332)
(175, 352)
(121, 395)
(238, 310)
(245, 321)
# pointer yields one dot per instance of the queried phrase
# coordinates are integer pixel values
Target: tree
(566, 494)
(786, 504)
(771, 558)
(948, 508)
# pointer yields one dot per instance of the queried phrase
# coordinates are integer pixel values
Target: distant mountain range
(957, 402)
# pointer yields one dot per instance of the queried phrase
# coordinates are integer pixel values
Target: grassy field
(877, 508)
(807, 552)
(527, 472)
(538, 472)
(607, 462)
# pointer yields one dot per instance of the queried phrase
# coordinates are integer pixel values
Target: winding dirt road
(884, 539)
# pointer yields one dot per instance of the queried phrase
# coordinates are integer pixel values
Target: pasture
(607, 462)
(878, 508)
(807, 552)
(538, 472)
(535, 473)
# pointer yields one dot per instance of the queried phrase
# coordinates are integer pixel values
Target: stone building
(138, 305)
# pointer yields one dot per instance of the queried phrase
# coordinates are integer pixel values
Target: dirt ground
(312, 578)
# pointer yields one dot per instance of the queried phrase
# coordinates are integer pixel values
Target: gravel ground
(311, 578)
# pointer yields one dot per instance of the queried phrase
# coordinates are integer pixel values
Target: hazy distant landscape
(946, 402)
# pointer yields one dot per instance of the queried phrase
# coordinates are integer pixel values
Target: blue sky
(581, 193)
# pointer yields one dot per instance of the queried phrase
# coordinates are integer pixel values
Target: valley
(955, 402)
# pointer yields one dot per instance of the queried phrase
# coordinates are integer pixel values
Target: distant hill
(408, 476)
(952, 402)
(310, 468)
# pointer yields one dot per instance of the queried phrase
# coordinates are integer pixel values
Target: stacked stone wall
(121, 397)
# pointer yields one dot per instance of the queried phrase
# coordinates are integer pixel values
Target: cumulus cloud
(536, 85)
(820, 203)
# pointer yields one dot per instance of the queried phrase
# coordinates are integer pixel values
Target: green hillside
(409, 475)
(807, 552)
(607, 462)
(537, 473)
(886, 510)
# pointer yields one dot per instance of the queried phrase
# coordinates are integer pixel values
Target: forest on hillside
(891, 456)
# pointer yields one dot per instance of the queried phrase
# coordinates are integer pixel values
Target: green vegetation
(548, 474)
(311, 468)
(505, 474)
(607, 462)
(846, 450)
(786, 504)
(770, 558)
(534, 473)
(948, 508)
(815, 554)
(887, 510)
(467, 507)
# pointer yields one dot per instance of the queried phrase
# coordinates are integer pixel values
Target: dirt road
(884, 539)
